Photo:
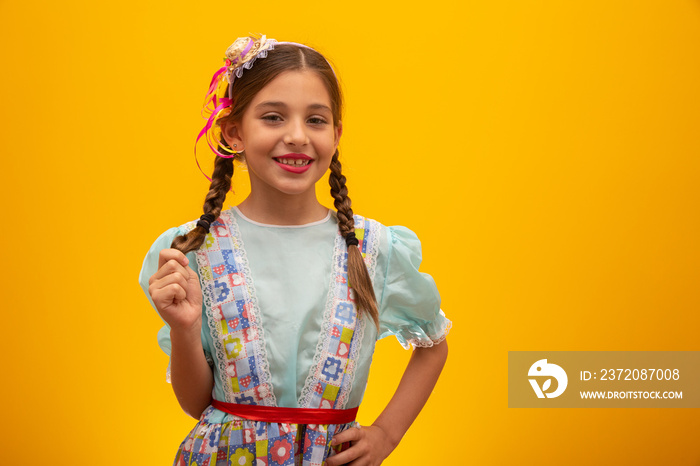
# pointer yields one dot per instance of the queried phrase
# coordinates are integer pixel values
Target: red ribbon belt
(289, 415)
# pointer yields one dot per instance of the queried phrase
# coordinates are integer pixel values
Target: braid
(213, 202)
(358, 275)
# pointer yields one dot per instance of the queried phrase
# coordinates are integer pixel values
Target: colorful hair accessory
(239, 56)
(242, 54)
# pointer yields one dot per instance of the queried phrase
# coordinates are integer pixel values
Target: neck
(282, 209)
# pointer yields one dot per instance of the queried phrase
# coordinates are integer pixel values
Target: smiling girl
(273, 307)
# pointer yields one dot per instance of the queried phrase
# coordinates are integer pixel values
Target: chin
(298, 186)
(291, 191)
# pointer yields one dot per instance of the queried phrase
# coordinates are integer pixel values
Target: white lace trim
(372, 248)
(254, 314)
(249, 64)
(212, 323)
(371, 237)
(434, 339)
(304, 400)
(339, 253)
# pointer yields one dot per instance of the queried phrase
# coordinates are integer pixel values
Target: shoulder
(408, 299)
(225, 217)
(164, 241)
(166, 238)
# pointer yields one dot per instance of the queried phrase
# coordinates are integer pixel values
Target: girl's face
(288, 134)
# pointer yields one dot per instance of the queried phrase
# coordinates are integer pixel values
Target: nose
(296, 133)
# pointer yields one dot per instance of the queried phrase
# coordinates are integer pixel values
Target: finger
(175, 277)
(352, 434)
(169, 267)
(192, 274)
(172, 254)
(344, 457)
(163, 297)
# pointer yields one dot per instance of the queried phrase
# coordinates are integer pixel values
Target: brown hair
(289, 57)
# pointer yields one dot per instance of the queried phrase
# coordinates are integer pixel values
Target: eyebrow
(283, 105)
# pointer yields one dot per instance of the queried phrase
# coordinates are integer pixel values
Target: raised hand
(175, 291)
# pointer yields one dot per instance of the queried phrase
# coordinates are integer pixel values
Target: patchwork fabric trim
(332, 373)
(234, 315)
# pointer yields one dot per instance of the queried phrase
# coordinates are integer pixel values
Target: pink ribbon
(218, 104)
(210, 122)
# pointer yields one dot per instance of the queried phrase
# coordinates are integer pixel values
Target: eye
(271, 117)
(317, 121)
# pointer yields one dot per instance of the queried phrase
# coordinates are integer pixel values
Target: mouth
(295, 163)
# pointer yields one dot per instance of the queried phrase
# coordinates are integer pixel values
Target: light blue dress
(288, 270)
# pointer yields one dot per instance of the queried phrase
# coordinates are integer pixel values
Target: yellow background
(545, 152)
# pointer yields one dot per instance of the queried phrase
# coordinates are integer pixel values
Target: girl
(273, 307)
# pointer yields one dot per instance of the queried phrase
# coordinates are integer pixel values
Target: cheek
(330, 142)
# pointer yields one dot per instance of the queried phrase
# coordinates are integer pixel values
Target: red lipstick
(294, 168)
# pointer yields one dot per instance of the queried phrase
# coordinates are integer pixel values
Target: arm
(177, 296)
(372, 444)
(190, 374)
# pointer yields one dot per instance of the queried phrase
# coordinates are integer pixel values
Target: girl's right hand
(175, 291)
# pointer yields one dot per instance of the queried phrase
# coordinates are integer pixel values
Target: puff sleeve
(149, 267)
(409, 303)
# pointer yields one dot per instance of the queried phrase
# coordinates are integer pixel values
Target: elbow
(195, 411)
(194, 414)
(195, 408)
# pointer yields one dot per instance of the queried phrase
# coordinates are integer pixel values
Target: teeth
(294, 162)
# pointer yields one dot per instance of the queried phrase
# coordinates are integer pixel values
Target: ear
(231, 134)
(338, 133)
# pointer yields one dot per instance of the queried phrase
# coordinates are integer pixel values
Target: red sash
(288, 415)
